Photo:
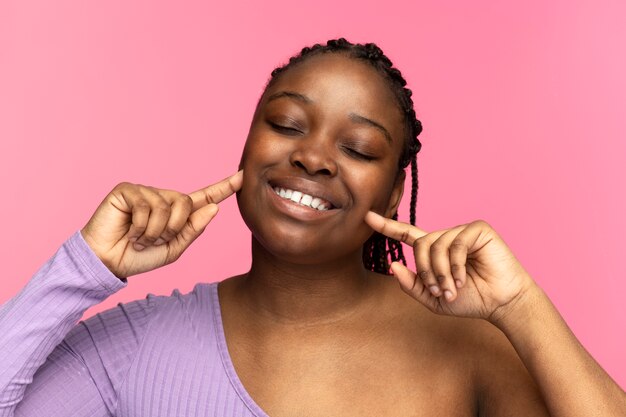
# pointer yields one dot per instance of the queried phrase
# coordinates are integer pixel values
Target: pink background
(523, 107)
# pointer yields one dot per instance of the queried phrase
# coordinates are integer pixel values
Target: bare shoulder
(504, 385)
(481, 356)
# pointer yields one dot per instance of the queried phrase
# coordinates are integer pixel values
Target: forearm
(571, 381)
(37, 319)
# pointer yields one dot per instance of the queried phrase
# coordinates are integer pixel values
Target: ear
(396, 194)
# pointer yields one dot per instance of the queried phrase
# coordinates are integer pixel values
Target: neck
(304, 294)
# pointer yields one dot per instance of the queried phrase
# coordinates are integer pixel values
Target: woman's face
(329, 133)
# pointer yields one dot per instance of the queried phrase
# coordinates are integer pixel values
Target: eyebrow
(356, 118)
(364, 120)
(290, 94)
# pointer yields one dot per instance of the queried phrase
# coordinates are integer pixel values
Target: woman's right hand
(137, 228)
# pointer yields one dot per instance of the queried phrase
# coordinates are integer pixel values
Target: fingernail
(448, 294)
(138, 246)
(434, 289)
(458, 283)
(159, 241)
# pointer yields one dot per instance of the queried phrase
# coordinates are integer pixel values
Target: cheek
(260, 153)
(247, 201)
(260, 150)
(372, 189)
(249, 163)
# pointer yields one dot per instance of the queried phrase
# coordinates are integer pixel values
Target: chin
(290, 243)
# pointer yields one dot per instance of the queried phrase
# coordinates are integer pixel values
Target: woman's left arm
(468, 271)
(572, 383)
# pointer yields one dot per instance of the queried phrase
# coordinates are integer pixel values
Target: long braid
(378, 249)
(414, 186)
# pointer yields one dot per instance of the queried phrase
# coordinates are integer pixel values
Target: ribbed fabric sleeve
(161, 356)
(37, 319)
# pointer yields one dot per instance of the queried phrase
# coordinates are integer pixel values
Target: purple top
(159, 356)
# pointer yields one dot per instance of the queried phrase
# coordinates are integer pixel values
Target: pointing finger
(413, 286)
(215, 193)
(396, 230)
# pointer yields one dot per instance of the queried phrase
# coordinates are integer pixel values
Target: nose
(314, 157)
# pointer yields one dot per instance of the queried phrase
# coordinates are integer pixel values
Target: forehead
(338, 84)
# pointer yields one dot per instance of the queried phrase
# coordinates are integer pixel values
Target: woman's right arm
(37, 319)
(134, 230)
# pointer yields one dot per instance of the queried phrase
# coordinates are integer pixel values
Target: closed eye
(285, 130)
(358, 155)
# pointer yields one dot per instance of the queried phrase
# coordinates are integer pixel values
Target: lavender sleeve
(48, 364)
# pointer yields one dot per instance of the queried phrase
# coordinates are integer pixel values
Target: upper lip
(309, 187)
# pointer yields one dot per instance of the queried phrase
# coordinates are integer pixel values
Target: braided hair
(378, 249)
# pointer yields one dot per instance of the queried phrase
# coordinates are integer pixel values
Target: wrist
(519, 309)
(91, 244)
(84, 255)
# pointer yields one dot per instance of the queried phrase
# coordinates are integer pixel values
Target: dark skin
(310, 331)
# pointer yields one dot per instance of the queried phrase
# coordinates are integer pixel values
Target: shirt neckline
(225, 356)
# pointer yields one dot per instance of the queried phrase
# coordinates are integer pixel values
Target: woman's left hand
(465, 271)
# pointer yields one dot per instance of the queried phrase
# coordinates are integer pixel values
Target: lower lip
(295, 210)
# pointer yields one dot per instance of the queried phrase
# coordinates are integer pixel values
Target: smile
(303, 199)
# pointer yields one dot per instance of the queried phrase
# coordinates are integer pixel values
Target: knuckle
(424, 275)
(169, 232)
(438, 247)
(482, 223)
(187, 201)
(141, 205)
(457, 244)
(189, 230)
(420, 243)
(123, 184)
(161, 206)
(209, 198)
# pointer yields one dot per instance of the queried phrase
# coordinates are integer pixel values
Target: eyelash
(293, 131)
(284, 129)
(358, 155)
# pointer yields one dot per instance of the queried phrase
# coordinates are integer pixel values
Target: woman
(315, 327)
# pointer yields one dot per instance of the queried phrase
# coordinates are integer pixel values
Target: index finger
(396, 230)
(215, 193)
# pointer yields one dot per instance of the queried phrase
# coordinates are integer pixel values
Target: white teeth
(303, 199)
(296, 196)
(306, 200)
